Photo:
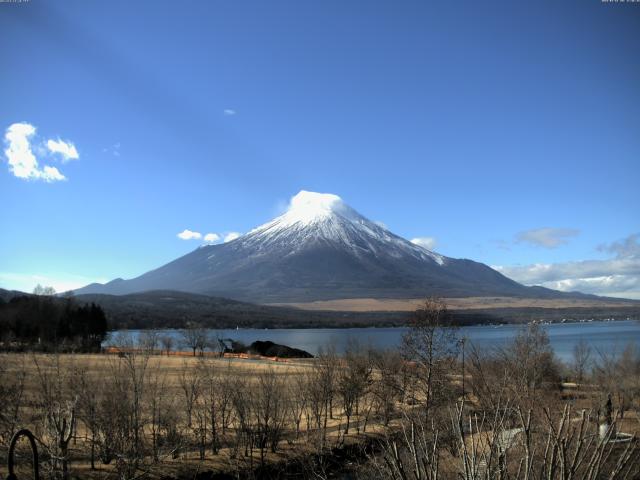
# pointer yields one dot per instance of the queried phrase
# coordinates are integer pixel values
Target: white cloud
(211, 237)
(22, 161)
(66, 149)
(615, 277)
(229, 112)
(189, 235)
(231, 236)
(425, 242)
(51, 174)
(547, 237)
(611, 286)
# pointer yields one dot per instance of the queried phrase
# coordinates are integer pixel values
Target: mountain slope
(321, 249)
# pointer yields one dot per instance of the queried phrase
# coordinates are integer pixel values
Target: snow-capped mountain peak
(320, 248)
(312, 214)
(325, 218)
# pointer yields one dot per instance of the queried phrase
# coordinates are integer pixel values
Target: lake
(606, 336)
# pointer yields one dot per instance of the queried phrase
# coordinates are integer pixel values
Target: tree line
(45, 322)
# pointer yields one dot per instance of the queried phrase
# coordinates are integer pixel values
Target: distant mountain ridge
(322, 249)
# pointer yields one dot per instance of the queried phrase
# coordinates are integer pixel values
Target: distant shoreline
(605, 335)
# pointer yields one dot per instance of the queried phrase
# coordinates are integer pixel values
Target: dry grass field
(468, 303)
(146, 415)
(175, 382)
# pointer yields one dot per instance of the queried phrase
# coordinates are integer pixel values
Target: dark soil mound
(270, 349)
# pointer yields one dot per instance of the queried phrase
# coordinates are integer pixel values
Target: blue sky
(505, 132)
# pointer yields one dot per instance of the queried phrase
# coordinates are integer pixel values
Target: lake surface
(605, 336)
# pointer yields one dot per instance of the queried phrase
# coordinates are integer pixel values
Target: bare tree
(489, 379)
(532, 365)
(44, 291)
(431, 346)
(226, 380)
(242, 407)
(296, 396)
(321, 384)
(121, 412)
(554, 446)
(161, 421)
(618, 374)
(211, 391)
(12, 390)
(149, 341)
(190, 384)
(387, 386)
(217, 344)
(167, 343)
(196, 338)
(581, 359)
(269, 411)
(629, 365)
(353, 380)
(87, 388)
(58, 410)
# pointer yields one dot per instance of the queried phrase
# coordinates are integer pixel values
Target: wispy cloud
(547, 237)
(187, 234)
(229, 112)
(626, 248)
(66, 149)
(22, 161)
(211, 238)
(231, 236)
(616, 277)
(425, 242)
(113, 149)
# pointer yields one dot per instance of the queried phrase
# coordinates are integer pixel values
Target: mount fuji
(322, 249)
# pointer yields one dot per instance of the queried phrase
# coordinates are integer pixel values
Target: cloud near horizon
(615, 277)
(187, 234)
(211, 237)
(231, 236)
(23, 162)
(546, 237)
(425, 242)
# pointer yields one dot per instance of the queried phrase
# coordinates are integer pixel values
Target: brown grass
(468, 303)
(172, 366)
